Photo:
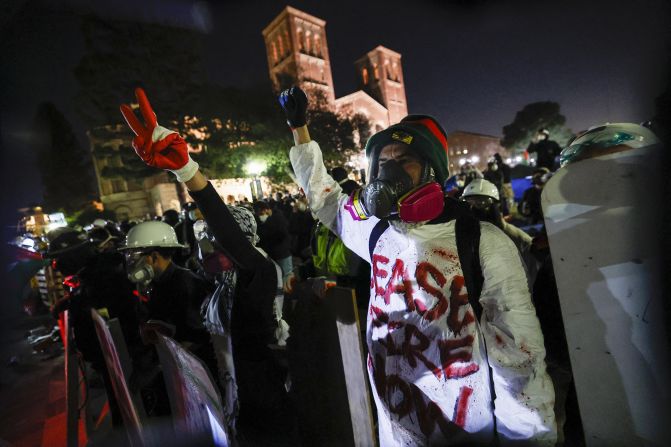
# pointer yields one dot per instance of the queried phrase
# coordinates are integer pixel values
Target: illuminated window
(318, 46)
(364, 75)
(299, 37)
(376, 74)
(274, 51)
(280, 45)
(307, 42)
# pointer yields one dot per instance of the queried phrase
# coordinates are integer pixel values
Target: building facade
(473, 148)
(297, 52)
(129, 196)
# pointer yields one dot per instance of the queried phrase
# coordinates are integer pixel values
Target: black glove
(294, 102)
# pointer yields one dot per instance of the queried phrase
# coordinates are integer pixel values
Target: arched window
(280, 45)
(274, 48)
(364, 75)
(308, 46)
(299, 38)
(376, 74)
(318, 46)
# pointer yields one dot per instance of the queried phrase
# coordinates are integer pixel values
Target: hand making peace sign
(157, 146)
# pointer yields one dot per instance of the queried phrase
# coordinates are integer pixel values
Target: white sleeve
(327, 200)
(516, 352)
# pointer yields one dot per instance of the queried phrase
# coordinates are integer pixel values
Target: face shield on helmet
(605, 139)
(483, 198)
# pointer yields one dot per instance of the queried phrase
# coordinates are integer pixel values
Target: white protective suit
(427, 361)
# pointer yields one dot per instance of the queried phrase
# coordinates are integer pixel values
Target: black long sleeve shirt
(252, 320)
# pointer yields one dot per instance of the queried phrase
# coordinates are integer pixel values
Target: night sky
(472, 64)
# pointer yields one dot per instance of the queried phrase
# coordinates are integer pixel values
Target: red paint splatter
(381, 317)
(445, 254)
(429, 415)
(457, 351)
(404, 287)
(422, 273)
(456, 301)
(412, 348)
(462, 406)
(379, 272)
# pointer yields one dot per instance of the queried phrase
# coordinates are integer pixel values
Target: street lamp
(255, 168)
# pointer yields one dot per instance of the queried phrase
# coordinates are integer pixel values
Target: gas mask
(211, 256)
(139, 272)
(392, 196)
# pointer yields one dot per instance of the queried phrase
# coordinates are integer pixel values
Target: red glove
(157, 146)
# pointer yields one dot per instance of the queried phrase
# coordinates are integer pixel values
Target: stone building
(297, 53)
(130, 197)
(472, 147)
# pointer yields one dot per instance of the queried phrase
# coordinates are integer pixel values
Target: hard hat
(151, 234)
(481, 187)
(597, 140)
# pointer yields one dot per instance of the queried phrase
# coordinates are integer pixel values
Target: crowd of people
(464, 335)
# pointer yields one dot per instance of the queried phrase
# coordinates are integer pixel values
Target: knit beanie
(422, 134)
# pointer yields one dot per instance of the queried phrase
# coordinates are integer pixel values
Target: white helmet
(481, 187)
(151, 234)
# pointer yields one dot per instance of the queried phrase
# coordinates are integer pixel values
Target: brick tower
(298, 54)
(380, 75)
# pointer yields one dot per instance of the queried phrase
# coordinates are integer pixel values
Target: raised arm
(324, 194)
(165, 149)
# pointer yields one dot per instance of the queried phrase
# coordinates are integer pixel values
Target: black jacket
(252, 321)
(176, 297)
(274, 234)
(547, 150)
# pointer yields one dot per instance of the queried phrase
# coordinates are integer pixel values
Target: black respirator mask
(391, 195)
(139, 272)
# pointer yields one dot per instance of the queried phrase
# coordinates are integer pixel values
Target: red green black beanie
(422, 133)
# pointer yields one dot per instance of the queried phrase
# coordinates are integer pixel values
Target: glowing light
(509, 160)
(462, 162)
(474, 158)
(255, 167)
(518, 159)
(465, 151)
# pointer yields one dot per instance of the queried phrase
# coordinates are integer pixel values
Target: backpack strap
(378, 229)
(467, 229)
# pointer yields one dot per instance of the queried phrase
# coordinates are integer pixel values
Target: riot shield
(603, 224)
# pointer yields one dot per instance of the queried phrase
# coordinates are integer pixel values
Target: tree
(226, 126)
(64, 165)
(528, 121)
